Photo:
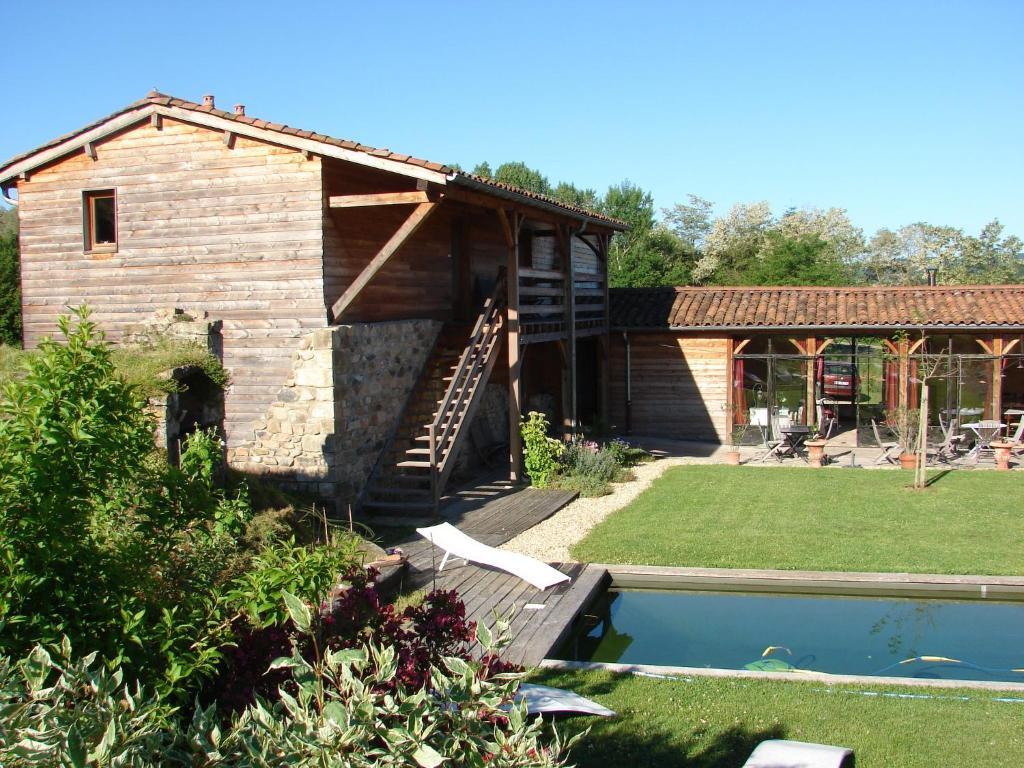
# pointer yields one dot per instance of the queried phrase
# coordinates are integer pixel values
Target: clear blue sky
(896, 111)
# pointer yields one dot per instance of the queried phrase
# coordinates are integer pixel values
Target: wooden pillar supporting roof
(510, 228)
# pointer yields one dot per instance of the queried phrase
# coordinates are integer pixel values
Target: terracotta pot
(1002, 451)
(732, 457)
(816, 452)
(908, 460)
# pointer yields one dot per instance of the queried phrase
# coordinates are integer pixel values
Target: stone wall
(332, 418)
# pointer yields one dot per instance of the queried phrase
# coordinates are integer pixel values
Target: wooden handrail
(541, 274)
(447, 419)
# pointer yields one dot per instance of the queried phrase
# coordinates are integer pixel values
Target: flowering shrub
(588, 467)
(540, 451)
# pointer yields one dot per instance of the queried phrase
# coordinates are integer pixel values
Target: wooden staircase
(414, 467)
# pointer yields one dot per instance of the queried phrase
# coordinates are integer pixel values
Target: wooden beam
(998, 349)
(730, 388)
(156, 121)
(382, 198)
(229, 139)
(1009, 345)
(506, 230)
(404, 232)
(810, 409)
(594, 248)
(90, 150)
(515, 385)
(738, 348)
(569, 267)
(986, 346)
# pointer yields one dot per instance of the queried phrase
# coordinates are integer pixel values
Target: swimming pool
(837, 634)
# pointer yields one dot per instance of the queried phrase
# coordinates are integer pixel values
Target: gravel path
(550, 540)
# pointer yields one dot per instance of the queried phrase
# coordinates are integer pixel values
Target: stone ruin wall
(331, 419)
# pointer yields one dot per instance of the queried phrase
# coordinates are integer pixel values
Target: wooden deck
(494, 513)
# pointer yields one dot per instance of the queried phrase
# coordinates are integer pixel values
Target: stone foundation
(333, 416)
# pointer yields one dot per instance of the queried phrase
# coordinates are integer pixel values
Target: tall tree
(691, 221)
(800, 260)
(10, 280)
(523, 176)
(483, 169)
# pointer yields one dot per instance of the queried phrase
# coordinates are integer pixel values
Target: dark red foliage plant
(422, 635)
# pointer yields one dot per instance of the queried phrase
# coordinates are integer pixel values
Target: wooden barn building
(714, 364)
(376, 312)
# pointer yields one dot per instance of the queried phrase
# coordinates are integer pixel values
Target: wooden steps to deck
(411, 473)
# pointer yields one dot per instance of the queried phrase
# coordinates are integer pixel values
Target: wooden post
(565, 235)
(604, 376)
(811, 412)
(904, 359)
(997, 377)
(730, 387)
(515, 387)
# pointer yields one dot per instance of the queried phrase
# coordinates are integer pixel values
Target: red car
(840, 380)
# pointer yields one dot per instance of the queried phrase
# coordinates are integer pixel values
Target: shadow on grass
(615, 744)
(936, 477)
(629, 740)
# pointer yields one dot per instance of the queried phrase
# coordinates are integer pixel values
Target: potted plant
(816, 449)
(732, 455)
(905, 424)
(1002, 449)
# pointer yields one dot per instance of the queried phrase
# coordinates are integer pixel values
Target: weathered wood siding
(416, 282)
(679, 385)
(201, 226)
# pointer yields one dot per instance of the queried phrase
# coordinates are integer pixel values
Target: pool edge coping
(834, 582)
(659, 670)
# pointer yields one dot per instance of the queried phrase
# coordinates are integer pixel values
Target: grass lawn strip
(966, 522)
(713, 722)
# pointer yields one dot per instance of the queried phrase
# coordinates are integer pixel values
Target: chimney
(933, 276)
(240, 109)
(208, 100)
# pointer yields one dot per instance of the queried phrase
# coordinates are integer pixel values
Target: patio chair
(454, 542)
(949, 448)
(1018, 438)
(887, 449)
(827, 419)
(782, 753)
(775, 445)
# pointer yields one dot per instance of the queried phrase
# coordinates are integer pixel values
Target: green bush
(540, 451)
(10, 290)
(337, 710)
(103, 542)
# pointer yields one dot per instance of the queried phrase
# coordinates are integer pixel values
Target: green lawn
(966, 522)
(716, 723)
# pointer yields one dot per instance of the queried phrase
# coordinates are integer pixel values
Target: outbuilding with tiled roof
(707, 363)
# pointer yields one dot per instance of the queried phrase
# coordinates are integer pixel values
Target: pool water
(948, 639)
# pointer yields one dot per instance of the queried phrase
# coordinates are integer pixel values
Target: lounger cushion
(780, 753)
(452, 540)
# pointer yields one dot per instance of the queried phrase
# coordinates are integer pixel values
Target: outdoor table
(986, 431)
(793, 438)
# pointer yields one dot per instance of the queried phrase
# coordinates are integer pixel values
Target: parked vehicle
(840, 380)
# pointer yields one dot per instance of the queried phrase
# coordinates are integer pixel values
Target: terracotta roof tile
(889, 307)
(154, 97)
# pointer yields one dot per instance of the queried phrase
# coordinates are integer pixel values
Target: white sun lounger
(780, 753)
(455, 543)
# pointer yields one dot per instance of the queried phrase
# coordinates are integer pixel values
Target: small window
(100, 214)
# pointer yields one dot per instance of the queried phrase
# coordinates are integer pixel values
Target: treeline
(10, 280)
(750, 245)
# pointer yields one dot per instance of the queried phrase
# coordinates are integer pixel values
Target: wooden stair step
(419, 505)
(411, 463)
